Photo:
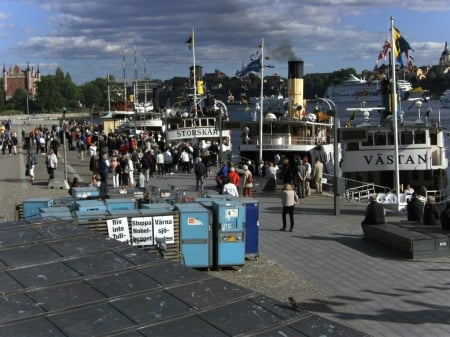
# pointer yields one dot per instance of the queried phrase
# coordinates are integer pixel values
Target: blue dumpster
(85, 192)
(120, 203)
(90, 205)
(195, 235)
(64, 215)
(120, 213)
(161, 205)
(54, 209)
(60, 212)
(251, 226)
(228, 233)
(31, 206)
(86, 216)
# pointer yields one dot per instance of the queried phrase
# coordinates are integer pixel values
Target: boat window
(380, 138)
(352, 147)
(419, 137)
(369, 141)
(390, 139)
(433, 138)
(406, 137)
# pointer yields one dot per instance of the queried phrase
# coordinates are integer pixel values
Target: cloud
(328, 34)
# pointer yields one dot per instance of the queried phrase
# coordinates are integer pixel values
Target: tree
(93, 96)
(19, 100)
(48, 94)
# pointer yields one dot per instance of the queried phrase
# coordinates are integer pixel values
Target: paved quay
(357, 283)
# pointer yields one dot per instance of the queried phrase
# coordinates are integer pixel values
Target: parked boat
(201, 125)
(445, 99)
(356, 90)
(369, 153)
(288, 130)
(362, 92)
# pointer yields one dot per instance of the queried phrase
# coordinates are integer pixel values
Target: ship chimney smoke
(295, 88)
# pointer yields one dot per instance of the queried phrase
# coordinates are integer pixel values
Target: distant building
(24, 79)
(444, 60)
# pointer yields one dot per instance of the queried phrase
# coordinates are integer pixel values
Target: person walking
(230, 188)
(308, 176)
(31, 163)
(247, 183)
(200, 171)
(233, 176)
(318, 175)
(301, 179)
(52, 163)
(288, 200)
(115, 172)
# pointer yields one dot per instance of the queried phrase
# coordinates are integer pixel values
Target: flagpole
(193, 73)
(261, 103)
(394, 115)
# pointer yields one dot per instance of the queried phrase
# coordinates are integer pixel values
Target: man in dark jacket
(374, 213)
(200, 171)
(415, 208)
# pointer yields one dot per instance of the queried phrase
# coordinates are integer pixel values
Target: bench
(413, 239)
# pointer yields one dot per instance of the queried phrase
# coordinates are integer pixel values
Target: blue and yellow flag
(190, 41)
(400, 44)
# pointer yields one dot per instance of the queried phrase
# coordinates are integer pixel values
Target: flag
(253, 67)
(383, 53)
(190, 41)
(402, 46)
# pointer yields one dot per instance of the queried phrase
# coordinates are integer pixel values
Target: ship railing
(441, 196)
(284, 139)
(360, 191)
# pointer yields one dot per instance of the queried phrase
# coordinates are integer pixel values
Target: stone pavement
(370, 288)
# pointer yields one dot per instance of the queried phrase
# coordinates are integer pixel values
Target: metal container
(228, 233)
(195, 235)
(31, 206)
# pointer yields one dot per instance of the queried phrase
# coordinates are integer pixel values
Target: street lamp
(337, 181)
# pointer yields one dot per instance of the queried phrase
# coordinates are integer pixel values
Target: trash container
(251, 226)
(90, 205)
(228, 233)
(120, 204)
(85, 192)
(60, 212)
(31, 206)
(195, 235)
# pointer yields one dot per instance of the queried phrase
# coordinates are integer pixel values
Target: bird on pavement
(293, 302)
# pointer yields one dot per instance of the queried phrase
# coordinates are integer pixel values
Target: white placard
(142, 231)
(118, 229)
(163, 227)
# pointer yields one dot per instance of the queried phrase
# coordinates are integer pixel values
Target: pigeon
(293, 302)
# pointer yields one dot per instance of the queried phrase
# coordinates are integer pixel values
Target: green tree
(93, 96)
(19, 100)
(48, 94)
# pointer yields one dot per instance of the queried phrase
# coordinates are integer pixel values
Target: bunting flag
(253, 67)
(383, 53)
(190, 41)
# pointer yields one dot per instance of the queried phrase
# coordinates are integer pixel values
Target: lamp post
(336, 179)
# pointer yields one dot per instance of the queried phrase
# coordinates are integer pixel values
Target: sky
(147, 39)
